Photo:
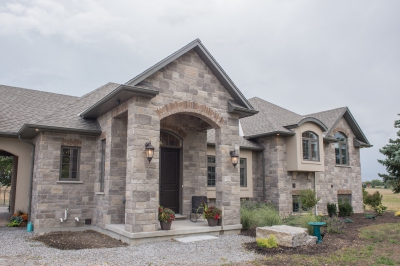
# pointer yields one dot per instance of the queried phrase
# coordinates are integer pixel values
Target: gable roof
(211, 63)
(21, 106)
(332, 117)
(273, 119)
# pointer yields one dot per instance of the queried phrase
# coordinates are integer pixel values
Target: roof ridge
(276, 105)
(13, 87)
(330, 110)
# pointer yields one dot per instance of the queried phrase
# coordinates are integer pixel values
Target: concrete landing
(179, 229)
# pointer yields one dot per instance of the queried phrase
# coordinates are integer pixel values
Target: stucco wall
(24, 152)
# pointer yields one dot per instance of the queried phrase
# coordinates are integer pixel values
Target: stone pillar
(13, 184)
(227, 176)
(142, 177)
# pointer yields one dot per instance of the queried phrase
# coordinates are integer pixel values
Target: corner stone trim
(174, 129)
(72, 142)
(202, 110)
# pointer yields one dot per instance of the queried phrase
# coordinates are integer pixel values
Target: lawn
(376, 244)
(389, 199)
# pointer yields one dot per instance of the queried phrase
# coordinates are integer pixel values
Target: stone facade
(51, 197)
(281, 185)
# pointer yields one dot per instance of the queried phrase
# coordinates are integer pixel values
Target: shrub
(335, 225)
(305, 219)
(18, 219)
(253, 214)
(374, 199)
(397, 214)
(380, 209)
(269, 242)
(308, 199)
(345, 209)
(332, 209)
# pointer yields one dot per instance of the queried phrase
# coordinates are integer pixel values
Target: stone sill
(99, 193)
(69, 182)
(344, 166)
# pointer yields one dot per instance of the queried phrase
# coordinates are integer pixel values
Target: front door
(169, 183)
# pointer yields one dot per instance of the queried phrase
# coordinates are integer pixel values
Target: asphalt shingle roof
(67, 117)
(271, 118)
(20, 106)
(242, 141)
(329, 117)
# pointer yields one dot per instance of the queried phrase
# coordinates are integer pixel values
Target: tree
(308, 199)
(392, 161)
(376, 183)
(6, 163)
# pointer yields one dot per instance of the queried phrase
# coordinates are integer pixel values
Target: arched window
(310, 146)
(341, 149)
(168, 139)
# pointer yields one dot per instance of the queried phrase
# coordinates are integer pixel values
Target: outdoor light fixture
(149, 150)
(234, 157)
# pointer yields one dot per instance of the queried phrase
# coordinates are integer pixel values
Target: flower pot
(212, 222)
(165, 225)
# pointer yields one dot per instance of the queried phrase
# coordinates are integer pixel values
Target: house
(92, 156)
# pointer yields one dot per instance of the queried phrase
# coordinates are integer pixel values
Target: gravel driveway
(16, 248)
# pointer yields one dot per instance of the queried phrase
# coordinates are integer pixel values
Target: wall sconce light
(149, 150)
(234, 157)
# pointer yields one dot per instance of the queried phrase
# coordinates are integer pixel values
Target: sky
(306, 56)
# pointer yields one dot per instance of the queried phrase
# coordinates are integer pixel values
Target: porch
(179, 228)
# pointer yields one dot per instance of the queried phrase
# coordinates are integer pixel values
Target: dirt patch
(331, 242)
(78, 240)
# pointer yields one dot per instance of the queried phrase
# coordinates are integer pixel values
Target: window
(70, 163)
(297, 204)
(310, 146)
(211, 171)
(344, 198)
(243, 172)
(341, 149)
(168, 139)
(103, 164)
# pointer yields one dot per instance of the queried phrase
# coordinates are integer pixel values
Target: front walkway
(4, 215)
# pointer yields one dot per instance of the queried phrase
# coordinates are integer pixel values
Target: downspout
(31, 176)
(315, 189)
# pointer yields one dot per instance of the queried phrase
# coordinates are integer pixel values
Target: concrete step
(180, 216)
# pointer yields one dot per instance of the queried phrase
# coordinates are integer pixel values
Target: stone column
(227, 176)
(142, 177)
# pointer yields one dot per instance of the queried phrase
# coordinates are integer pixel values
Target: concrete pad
(189, 239)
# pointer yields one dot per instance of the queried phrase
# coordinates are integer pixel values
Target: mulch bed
(331, 242)
(78, 240)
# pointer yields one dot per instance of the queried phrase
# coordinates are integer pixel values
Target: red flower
(216, 217)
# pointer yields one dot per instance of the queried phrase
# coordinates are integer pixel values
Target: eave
(118, 96)
(29, 131)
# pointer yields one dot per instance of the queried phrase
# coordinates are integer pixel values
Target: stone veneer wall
(341, 177)
(279, 182)
(50, 198)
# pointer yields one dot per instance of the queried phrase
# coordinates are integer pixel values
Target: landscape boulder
(287, 236)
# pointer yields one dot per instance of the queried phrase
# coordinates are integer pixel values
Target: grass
(389, 198)
(380, 246)
(254, 215)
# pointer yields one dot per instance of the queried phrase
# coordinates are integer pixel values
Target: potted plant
(212, 214)
(165, 216)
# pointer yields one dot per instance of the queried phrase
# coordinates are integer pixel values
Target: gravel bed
(16, 247)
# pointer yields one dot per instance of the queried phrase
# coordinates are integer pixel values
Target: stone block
(287, 236)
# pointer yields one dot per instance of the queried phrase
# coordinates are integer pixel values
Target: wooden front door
(169, 178)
